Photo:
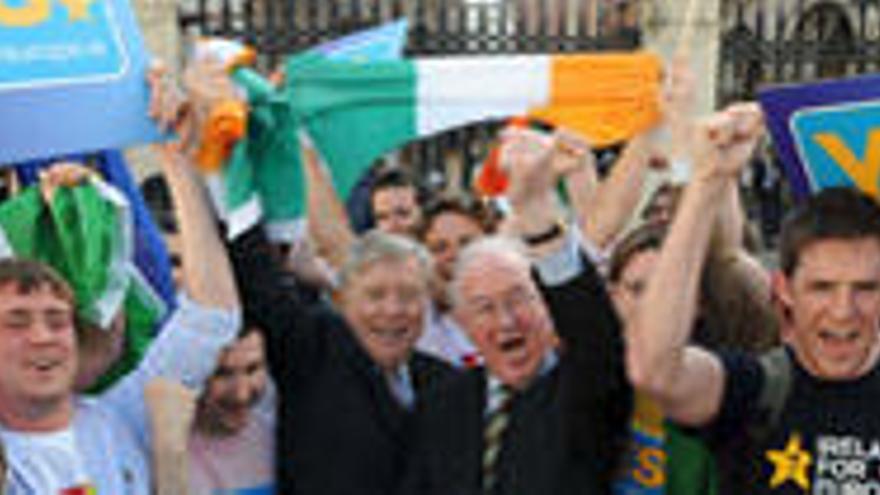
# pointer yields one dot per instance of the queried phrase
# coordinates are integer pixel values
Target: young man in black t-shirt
(813, 425)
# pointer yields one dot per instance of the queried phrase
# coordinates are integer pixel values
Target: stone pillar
(158, 22)
(663, 23)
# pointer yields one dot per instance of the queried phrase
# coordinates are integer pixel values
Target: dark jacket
(566, 429)
(340, 431)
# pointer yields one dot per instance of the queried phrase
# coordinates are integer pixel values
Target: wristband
(554, 232)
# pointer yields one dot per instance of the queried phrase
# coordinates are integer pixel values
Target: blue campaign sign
(71, 78)
(827, 133)
(840, 143)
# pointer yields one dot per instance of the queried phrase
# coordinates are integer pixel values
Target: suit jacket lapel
(470, 417)
(389, 413)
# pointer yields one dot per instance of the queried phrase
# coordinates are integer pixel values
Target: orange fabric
(608, 98)
(224, 127)
(491, 181)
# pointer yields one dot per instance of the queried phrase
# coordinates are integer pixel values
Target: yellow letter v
(864, 174)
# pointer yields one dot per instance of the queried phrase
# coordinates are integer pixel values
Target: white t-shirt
(97, 452)
(105, 449)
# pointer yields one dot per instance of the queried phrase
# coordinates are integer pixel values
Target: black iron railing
(778, 41)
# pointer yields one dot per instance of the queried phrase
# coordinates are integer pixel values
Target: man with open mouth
(547, 412)
(802, 419)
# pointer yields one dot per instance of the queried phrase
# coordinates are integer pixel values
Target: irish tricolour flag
(357, 112)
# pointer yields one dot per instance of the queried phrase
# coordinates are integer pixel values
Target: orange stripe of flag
(608, 98)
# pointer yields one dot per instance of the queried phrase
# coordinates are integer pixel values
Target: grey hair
(492, 246)
(376, 246)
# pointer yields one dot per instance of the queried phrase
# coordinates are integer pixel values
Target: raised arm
(207, 271)
(739, 307)
(250, 263)
(328, 223)
(617, 197)
(187, 349)
(535, 210)
(595, 389)
(687, 381)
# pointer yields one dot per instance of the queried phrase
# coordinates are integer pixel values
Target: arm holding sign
(207, 319)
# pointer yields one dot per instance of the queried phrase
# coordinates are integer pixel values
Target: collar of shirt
(495, 392)
(401, 386)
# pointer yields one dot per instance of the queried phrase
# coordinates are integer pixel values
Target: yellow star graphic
(793, 464)
(77, 10)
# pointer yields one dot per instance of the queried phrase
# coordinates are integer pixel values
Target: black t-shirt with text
(826, 441)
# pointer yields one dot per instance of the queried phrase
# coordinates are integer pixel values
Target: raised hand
(571, 153)
(170, 108)
(207, 83)
(220, 110)
(62, 174)
(527, 155)
(724, 142)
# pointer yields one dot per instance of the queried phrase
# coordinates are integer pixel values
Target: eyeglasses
(487, 309)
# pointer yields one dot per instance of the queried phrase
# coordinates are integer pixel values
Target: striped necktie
(496, 422)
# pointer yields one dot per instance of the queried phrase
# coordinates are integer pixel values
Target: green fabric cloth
(691, 467)
(663, 459)
(355, 112)
(87, 236)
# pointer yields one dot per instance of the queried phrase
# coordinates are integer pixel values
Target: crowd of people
(459, 348)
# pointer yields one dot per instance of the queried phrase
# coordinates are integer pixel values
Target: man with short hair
(347, 380)
(55, 440)
(802, 419)
(539, 417)
(394, 201)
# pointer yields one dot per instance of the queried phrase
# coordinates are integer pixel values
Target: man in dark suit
(553, 360)
(347, 380)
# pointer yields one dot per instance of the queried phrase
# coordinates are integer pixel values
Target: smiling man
(803, 419)
(348, 378)
(59, 442)
(548, 411)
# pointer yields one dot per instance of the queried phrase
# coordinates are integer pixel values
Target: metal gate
(774, 41)
(781, 41)
(279, 27)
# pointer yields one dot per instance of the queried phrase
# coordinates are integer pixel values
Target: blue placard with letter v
(827, 133)
(72, 78)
